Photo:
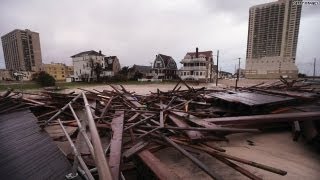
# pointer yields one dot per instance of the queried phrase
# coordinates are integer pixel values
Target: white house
(84, 63)
(198, 66)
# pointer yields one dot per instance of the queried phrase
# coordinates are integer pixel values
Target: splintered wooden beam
(106, 107)
(156, 166)
(116, 144)
(193, 135)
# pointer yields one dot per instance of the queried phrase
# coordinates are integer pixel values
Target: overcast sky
(136, 31)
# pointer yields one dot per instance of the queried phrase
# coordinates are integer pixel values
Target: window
(200, 73)
(197, 73)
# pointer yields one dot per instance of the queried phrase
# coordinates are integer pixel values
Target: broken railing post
(101, 162)
(61, 110)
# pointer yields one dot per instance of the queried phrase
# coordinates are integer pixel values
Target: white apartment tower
(272, 40)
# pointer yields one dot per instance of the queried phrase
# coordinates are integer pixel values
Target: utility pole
(238, 75)
(217, 70)
(314, 68)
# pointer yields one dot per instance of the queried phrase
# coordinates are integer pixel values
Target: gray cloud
(136, 31)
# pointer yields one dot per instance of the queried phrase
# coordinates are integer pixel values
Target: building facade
(6, 75)
(84, 63)
(10, 75)
(59, 71)
(164, 67)
(111, 66)
(22, 51)
(272, 40)
(198, 66)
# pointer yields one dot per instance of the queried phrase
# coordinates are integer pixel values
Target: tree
(44, 79)
(97, 68)
(124, 71)
(137, 75)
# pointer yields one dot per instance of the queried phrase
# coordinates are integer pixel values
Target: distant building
(198, 66)
(22, 51)
(242, 73)
(225, 75)
(59, 71)
(144, 70)
(10, 75)
(164, 67)
(6, 75)
(111, 66)
(84, 63)
(272, 39)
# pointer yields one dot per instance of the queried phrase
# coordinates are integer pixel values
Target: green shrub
(45, 79)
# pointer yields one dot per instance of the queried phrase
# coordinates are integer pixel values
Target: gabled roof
(206, 53)
(92, 52)
(141, 68)
(165, 59)
(111, 57)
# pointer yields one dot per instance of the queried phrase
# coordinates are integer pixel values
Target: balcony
(193, 60)
(193, 68)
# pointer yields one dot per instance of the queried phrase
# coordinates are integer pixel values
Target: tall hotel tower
(22, 51)
(272, 40)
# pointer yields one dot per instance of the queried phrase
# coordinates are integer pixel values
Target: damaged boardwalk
(119, 134)
(26, 152)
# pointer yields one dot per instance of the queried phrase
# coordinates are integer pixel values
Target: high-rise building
(22, 51)
(272, 39)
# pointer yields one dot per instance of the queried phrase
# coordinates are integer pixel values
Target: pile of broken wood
(111, 132)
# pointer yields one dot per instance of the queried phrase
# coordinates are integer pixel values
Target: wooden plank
(135, 148)
(116, 144)
(156, 166)
(193, 135)
(55, 131)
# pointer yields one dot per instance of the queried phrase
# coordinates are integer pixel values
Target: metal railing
(94, 145)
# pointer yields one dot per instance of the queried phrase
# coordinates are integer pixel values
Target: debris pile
(110, 132)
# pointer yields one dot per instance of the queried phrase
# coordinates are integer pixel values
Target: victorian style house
(164, 67)
(198, 66)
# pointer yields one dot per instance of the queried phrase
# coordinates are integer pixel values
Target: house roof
(141, 68)
(112, 57)
(166, 59)
(92, 52)
(206, 53)
(225, 72)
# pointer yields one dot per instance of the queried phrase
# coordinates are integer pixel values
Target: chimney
(100, 53)
(197, 53)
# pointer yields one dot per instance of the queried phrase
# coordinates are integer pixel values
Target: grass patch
(20, 86)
